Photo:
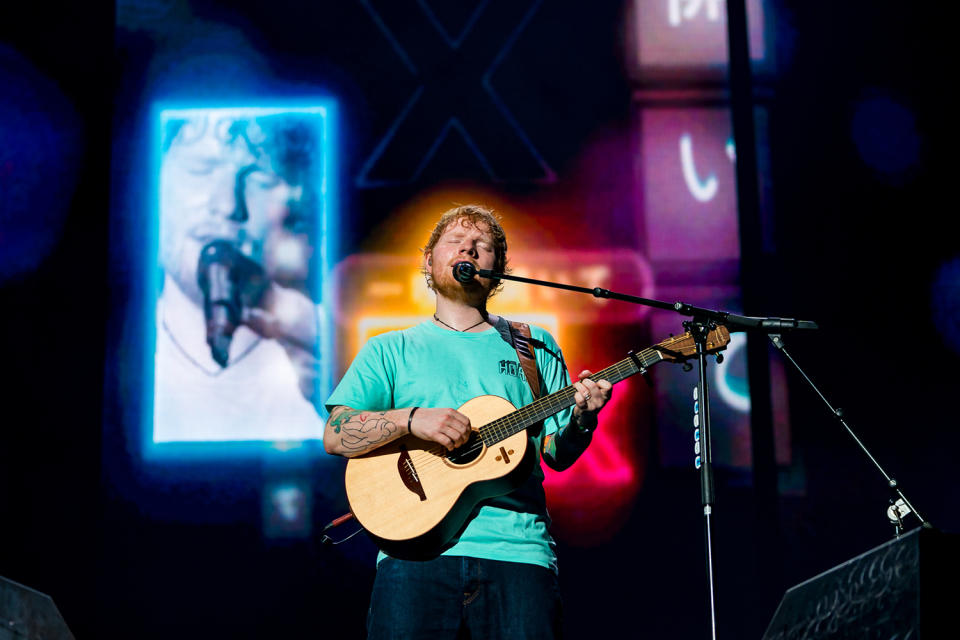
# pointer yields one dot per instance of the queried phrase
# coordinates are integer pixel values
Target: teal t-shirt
(427, 366)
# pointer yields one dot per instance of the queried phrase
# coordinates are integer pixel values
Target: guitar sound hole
(467, 452)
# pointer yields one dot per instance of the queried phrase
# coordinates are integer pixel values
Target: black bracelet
(410, 419)
(582, 428)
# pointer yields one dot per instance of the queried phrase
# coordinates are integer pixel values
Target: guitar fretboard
(541, 409)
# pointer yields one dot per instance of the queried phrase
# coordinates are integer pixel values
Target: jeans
(459, 597)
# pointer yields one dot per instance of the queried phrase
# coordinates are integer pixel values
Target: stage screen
(687, 39)
(255, 284)
(242, 219)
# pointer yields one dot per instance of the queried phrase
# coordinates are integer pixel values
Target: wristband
(410, 419)
(583, 428)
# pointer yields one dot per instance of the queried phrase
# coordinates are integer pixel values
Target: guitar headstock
(679, 348)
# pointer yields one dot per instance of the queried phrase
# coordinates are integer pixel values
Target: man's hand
(284, 314)
(290, 318)
(591, 396)
(564, 448)
(448, 427)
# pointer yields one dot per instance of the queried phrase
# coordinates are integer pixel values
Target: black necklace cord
(454, 328)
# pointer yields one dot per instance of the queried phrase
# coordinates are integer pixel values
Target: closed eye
(263, 179)
(202, 167)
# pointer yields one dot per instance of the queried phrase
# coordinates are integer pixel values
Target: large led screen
(243, 199)
(686, 39)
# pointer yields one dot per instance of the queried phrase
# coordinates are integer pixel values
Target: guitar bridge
(409, 475)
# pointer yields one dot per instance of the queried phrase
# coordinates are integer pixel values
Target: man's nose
(468, 247)
(228, 200)
(223, 196)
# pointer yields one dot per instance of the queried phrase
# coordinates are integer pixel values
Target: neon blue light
(321, 286)
(945, 302)
(732, 388)
(885, 134)
(452, 122)
(40, 162)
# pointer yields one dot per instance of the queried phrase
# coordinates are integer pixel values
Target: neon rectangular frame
(327, 225)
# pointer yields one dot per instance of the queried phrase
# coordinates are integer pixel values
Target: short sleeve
(368, 383)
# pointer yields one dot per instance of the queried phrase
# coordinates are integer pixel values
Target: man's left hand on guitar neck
(591, 396)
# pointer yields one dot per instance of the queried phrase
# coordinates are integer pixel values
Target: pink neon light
(604, 466)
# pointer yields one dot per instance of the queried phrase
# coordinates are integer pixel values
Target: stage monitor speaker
(898, 591)
(26, 614)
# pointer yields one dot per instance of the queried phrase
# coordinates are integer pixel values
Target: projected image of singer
(237, 325)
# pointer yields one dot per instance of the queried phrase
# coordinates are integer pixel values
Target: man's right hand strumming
(448, 427)
(352, 432)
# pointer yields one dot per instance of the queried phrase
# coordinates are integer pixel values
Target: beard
(473, 293)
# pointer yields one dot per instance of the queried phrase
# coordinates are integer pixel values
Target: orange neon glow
(382, 289)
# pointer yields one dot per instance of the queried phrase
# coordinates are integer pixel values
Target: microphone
(464, 271)
(228, 280)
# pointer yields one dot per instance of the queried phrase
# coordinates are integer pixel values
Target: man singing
(498, 577)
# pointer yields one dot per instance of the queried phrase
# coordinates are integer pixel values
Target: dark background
(859, 249)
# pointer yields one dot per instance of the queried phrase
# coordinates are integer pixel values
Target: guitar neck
(546, 406)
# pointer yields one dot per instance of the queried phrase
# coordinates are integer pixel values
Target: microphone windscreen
(464, 271)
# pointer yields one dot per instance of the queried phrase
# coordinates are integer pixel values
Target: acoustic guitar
(413, 496)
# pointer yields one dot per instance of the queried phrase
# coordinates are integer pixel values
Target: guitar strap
(520, 332)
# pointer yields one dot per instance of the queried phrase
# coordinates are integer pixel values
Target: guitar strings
(496, 431)
(501, 428)
(507, 426)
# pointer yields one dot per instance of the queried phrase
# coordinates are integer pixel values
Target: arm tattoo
(339, 416)
(361, 430)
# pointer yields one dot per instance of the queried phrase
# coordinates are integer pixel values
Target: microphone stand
(899, 507)
(703, 321)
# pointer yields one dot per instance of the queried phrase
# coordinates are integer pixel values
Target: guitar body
(412, 498)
